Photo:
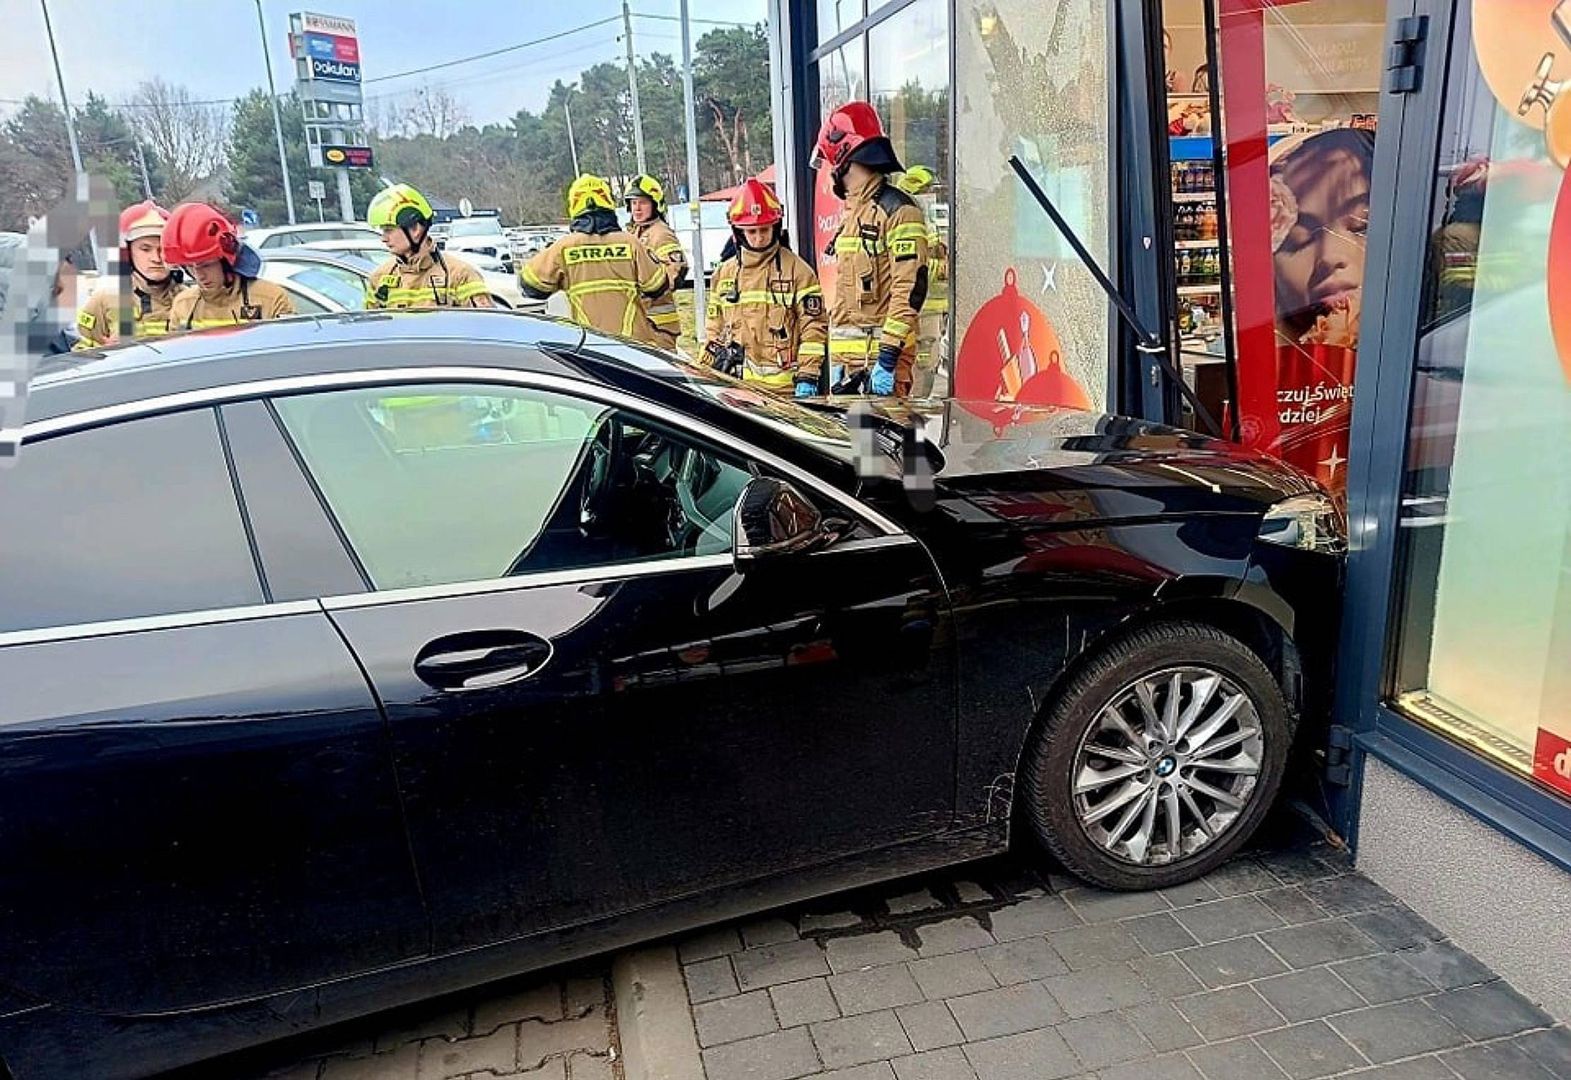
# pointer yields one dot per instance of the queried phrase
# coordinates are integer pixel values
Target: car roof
(305, 345)
(300, 253)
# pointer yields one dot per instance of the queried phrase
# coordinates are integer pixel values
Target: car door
(196, 800)
(591, 709)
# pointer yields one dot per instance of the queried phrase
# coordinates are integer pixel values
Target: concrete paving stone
(1098, 905)
(538, 1041)
(542, 1002)
(710, 979)
(912, 903)
(952, 936)
(716, 941)
(1085, 947)
(876, 988)
(1166, 977)
(1018, 961)
(1163, 1026)
(1190, 893)
(450, 1023)
(1032, 918)
(1419, 1068)
(1496, 1061)
(952, 976)
(949, 1064)
(1551, 1049)
(1159, 933)
(1241, 876)
(1239, 1059)
(877, 1070)
(496, 1052)
(589, 1067)
(1309, 995)
(580, 995)
(768, 932)
(1319, 943)
(817, 922)
(930, 1026)
(1490, 1011)
(1383, 978)
(1309, 1051)
(1446, 966)
(867, 950)
(1291, 905)
(772, 964)
(859, 1039)
(969, 892)
(401, 1064)
(1395, 927)
(1230, 962)
(1103, 1040)
(1348, 894)
(1029, 1055)
(555, 1069)
(1102, 989)
(805, 1002)
(1227, 1014)
(1166, 1067)
(1385, 1033)
(783, 1055)
(740, 1016)
(1296, 867)
(1007, 1011)
(1223, 920)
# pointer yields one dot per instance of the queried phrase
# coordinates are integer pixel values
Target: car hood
(1055, 464)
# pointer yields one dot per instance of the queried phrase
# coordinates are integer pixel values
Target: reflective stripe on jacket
(430, 279)
(98, 322)
(609, 279)
(882, 280)
(770, 303)
(246, 300)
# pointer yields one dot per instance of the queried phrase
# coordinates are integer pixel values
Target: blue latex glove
(807, 389)
(881, 380)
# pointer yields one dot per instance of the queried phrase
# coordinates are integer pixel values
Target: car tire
(1100, 795)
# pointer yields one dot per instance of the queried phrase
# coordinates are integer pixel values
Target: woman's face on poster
(1321, 260)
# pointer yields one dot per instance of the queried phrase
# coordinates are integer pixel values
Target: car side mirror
(771, 519)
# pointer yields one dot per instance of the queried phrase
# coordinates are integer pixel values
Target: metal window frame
(1402, 213)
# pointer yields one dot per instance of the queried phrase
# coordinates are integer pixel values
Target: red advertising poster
(1552, 761)
(828, 210)
(1559, 279)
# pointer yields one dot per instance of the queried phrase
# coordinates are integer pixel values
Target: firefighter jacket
(881, 283)
(99, 320)
(426, 279)
(770, 304)
(609, 278)
(661, 242)
(243, 300)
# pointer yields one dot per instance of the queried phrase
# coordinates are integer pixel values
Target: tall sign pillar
(326, 52)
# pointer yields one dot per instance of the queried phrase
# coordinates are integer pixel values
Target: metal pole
(278, 120)
(141, 160)
(65, 102)
(571, 143)
(319, 216)
(632, 87)
(693, 206)
(346, 197)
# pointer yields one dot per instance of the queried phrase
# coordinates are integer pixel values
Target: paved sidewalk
(1282, 964)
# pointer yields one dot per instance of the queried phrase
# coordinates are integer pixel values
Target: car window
(343, 287)
(304, 305)
(90, 536)
(440, 484)
(476, 227)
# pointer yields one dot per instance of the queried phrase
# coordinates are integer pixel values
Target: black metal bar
(1229, 331)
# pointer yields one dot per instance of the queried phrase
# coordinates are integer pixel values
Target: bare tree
(434, 112)
(186, 136)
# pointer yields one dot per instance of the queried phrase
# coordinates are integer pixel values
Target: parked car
(351, 661)
(321, 278)
(482, 235)
(501, 281)
(287, 235)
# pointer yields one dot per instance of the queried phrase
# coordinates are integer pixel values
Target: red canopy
(727, 194)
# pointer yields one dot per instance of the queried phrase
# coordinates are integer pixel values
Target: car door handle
(478, 659)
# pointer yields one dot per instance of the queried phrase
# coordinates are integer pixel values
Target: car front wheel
(1159, 759)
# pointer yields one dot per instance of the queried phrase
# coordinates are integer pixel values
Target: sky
(213, 47)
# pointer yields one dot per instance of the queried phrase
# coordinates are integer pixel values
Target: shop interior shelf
(1182, 244)
(1199, 290)
(1195, 196)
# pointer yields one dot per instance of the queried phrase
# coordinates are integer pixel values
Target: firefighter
(609, 278)
(916, 182)
(766, 309)
(882, 253)
(154, 285)
(646, 207)
(418, 275)
(228, 289)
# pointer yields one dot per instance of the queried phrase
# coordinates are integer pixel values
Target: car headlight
(1310, 522)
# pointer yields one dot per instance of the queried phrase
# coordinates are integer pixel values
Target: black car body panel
(219, 830)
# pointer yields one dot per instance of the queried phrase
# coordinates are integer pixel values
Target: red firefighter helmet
(845, 129)
(197, 233)
(142, 220)
(755, 205)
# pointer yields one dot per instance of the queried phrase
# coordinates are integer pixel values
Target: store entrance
(1271, 110)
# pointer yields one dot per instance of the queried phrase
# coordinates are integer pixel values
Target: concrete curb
(653, 1018)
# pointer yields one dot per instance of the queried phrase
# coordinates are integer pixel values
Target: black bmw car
(354, 660)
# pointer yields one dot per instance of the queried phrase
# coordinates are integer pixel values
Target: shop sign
(334, 70)
(346, 157)
(332, 47)
(1552, 760)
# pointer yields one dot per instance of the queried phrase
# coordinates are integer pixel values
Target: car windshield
(343, 287)
(476, 227)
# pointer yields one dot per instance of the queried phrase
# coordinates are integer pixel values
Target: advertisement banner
(347, 157)
(332, 47)
(1552, 761)
(334, 70)
(327, 24)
